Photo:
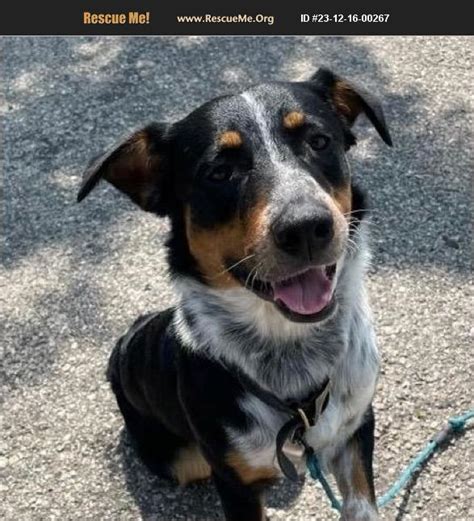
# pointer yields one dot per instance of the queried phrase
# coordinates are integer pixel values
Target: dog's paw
(359, 509)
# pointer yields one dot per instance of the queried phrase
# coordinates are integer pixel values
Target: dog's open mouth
(304, 297)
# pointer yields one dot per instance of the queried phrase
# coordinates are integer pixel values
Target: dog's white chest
(349, 398)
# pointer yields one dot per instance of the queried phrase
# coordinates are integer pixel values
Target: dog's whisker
(355, 244)
(352, 212)
(250, 275)
(247, 279)
(255, 277)
(366, 210)
(252, 282)
(357, 233)
(371, 223)
(227, 270)
(352, 246)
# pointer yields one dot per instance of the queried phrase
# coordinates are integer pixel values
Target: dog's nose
(304, 230)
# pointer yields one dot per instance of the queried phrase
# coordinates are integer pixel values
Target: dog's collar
(304, 415)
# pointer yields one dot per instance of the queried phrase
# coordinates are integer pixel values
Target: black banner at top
(156, 17)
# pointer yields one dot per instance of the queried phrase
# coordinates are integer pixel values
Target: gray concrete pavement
(74, 276)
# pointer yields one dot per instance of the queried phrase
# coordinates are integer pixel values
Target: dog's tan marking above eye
(293, 120)
(230, 139)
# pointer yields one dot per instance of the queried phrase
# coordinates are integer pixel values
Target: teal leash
(455, 425)
(316, 473)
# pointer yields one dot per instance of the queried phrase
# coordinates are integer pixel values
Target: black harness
(303, 415)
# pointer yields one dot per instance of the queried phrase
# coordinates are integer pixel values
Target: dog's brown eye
(220, 174)
(318, 142)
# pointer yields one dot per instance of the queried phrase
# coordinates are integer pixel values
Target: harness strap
(304, 414)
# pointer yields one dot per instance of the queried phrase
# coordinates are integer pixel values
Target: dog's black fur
(212, 174)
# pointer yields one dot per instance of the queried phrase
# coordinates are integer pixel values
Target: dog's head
(256, 185)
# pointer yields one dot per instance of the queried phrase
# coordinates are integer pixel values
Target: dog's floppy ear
(137, 166)
(349, 100)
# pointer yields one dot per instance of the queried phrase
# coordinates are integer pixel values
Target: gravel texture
(75, 276)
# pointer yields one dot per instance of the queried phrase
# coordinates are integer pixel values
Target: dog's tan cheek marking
(230, 139)
(256, 225)
(209, 247)
(293, 120)
(235, 239)
(246, 472)
(190, 465)
(343, 199)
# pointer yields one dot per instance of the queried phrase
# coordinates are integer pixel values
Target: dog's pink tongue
(305, 294)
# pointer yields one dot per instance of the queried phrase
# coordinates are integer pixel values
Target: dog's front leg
(240, 501)
(352, 468)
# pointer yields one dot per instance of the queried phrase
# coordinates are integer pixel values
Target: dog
(270, 353)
